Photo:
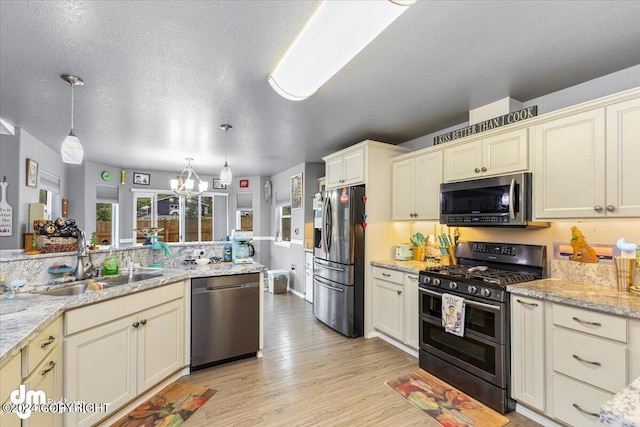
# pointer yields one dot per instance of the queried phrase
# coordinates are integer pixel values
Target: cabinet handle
(412, 277)
(531, 304)
(476, 170)
(484, 169)
(136, 324)
(593, 414)
(386, 274)
(48, 342)
(610, 208)
(580, 359)
(584, 322)
(597, 208)
(52, 365)
(143, 322)
(399, 292)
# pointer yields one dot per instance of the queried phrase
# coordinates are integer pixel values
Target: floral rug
(169, 408)
(443, 403)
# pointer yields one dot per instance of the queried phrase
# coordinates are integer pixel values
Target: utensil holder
(625, 272)
(417, 253)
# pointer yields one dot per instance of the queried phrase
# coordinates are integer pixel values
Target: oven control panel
(494, 249)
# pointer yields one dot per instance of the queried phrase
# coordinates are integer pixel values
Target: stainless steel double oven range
(478, 363)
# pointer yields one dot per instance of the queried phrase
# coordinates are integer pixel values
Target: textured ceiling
(161, 76)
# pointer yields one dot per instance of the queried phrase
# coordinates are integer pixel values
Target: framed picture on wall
(32, 173)
(141, 178)
(296, 191)
(218, 185)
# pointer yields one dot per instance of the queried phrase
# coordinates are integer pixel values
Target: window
(283, 234)
(107, 215)
(198, 219)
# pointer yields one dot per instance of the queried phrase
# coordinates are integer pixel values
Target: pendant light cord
(72, 131)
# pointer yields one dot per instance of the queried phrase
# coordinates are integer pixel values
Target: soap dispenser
(110, 267)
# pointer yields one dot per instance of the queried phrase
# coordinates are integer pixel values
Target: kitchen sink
(107, 282)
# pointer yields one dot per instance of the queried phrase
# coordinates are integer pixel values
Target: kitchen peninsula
(30, 318)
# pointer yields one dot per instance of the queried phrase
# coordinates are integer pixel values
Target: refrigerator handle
(327, 225)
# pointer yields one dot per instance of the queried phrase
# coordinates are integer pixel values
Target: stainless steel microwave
(499, 201)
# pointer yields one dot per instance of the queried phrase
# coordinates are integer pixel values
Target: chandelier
(183, 185)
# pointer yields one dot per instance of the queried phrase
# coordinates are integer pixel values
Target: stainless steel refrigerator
(338, 267)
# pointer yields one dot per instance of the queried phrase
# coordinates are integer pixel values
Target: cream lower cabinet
(47, 377)
(395, 305)
(39, 367)
(115, 361)
(416, 186)
(389, 302)
(10, 379)
(527, 351)
(568, 361)
(412, 310)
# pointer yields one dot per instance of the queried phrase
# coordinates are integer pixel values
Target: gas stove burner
(481, 273)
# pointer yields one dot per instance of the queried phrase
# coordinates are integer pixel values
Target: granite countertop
(22, 318)
(404, 266)
(593, 297)
(624, 409)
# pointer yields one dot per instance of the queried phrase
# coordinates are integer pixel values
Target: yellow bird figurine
(582, 252)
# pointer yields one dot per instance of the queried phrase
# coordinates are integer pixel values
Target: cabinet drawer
(577, 404)
(592, 360)
(45, 341)
(388, 275)
(591, 322)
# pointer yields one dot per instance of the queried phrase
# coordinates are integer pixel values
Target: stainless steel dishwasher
(225, 318)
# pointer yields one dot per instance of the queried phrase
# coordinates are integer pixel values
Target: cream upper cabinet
(345, 168)
(527, 351)
(587, 164)
(569, 178)
(416, 187)
(623, 159)
(495, 155)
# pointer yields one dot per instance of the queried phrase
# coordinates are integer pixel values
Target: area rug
(445, 404)
(169, 407)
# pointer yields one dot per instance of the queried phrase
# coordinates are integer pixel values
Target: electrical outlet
(196, 252)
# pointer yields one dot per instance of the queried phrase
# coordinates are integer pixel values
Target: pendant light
(71, 149)
(225, 174)
(183, 185)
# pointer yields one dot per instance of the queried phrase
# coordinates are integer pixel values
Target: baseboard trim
(296, 293)
(532, 415)
(394, 343)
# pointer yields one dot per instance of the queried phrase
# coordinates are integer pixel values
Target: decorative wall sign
(244, 183)
(32, 173)
(6, 214)
(296, 191)
(507, 119)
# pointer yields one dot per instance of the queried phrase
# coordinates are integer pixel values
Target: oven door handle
(466, 301)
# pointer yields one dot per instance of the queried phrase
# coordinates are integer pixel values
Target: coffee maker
(241, 248)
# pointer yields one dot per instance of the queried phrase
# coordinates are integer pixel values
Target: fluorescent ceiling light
(334, 35)
(6, 128)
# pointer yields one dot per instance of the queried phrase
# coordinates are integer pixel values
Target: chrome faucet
(83, 270)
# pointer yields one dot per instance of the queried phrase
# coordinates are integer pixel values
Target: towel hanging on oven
(453, 314)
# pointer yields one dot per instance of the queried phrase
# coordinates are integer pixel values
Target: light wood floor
(310, 376)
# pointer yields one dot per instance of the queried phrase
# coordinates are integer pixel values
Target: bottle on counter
(227, 251)
(110, 266)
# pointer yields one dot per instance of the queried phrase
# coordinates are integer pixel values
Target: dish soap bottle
(110, 267)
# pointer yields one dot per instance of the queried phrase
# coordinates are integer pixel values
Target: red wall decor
(244, 183)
